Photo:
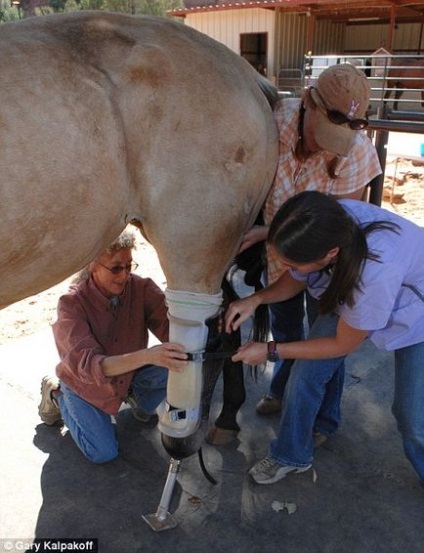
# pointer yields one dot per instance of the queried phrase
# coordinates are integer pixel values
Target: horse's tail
(253, 262)
(268, 89)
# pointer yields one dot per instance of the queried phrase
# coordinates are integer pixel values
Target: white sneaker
(268, 471)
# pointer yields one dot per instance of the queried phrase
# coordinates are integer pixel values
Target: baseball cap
(343, 88)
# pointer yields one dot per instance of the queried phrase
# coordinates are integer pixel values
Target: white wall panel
(226, 27)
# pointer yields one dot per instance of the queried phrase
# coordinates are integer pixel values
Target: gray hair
(126, 240)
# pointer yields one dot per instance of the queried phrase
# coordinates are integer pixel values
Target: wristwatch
(272, 352)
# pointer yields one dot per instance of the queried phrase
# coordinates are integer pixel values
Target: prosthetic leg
(180, 415)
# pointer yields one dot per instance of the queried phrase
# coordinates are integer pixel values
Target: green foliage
(57, 5)
(151, 7)
(8, 11)
(11, 12)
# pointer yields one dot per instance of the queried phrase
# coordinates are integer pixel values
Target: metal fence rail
(389, 75)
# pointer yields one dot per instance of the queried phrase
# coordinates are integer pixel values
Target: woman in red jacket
(101, 335)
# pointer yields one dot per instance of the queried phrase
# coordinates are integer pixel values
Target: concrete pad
(362, 496)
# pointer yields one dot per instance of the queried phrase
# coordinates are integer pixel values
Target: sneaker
(319, 439)
(268, 405)
(138, 413)
(48, 409)
(268, 471)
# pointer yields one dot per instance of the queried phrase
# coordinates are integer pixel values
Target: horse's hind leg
(225, 429)
(182, 447)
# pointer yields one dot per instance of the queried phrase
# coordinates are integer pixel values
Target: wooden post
(310, 35)
(390, 34)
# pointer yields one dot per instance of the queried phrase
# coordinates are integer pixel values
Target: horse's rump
(107, 119)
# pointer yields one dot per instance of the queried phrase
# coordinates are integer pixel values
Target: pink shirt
(293, 175)
(88, 329)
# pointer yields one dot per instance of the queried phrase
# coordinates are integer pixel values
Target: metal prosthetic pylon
(162, 519)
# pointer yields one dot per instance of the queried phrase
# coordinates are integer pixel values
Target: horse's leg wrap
(180, 448)
(179, 416)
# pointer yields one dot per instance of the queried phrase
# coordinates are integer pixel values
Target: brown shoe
(319, 439)
(138, 412)
(48, 410)
(268, 405)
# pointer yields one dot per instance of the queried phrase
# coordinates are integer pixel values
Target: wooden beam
(310, 31)
(391, 32)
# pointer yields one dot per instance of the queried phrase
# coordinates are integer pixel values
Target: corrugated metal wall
(368, 38)
(329, 37)
(292, 32)
(291, 41)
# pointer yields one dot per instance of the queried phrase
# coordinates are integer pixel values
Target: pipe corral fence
(395, 80)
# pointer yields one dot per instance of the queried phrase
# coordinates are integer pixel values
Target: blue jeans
(408, 405)
(92, 429)
(311, 401)
(286, 320)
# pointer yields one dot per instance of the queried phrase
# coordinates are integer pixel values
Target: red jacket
(88, 329)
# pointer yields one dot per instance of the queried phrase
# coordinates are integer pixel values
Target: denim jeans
(92, 429)
(408, 405)
(286, 320)
(311, 401)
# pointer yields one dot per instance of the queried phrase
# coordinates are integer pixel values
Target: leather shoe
(268, 405)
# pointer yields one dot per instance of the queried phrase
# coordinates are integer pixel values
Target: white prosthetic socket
(179, 415)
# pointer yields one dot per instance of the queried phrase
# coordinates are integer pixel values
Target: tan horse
(411, 76)
(108, 119)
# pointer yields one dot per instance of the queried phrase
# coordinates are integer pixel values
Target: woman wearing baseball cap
(322, 147)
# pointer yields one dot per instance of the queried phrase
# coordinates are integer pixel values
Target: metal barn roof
(349, 11)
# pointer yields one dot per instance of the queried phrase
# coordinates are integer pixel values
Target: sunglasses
(339, 118)
(118, 269)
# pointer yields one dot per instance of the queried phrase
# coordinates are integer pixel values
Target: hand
(171, 356)
(254, 235)
(251, 353)
(239, 311)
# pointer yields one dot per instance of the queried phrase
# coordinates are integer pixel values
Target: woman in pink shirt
(101, 335)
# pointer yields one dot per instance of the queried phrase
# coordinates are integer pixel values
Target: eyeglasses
(339, 118)
(118, 269)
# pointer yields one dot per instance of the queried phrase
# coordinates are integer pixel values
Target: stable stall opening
(253, 48)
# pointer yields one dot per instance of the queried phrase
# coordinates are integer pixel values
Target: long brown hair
(309, 225)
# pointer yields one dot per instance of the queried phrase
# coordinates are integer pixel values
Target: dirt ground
(403, 194)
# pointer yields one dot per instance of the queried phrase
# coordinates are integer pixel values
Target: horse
(409, 77)
(110, 119)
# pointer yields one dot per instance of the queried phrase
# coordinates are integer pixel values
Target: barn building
(275, 35)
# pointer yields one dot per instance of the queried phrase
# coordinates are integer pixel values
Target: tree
(16, 9)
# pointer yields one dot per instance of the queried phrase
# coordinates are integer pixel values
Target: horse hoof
(220, 436)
